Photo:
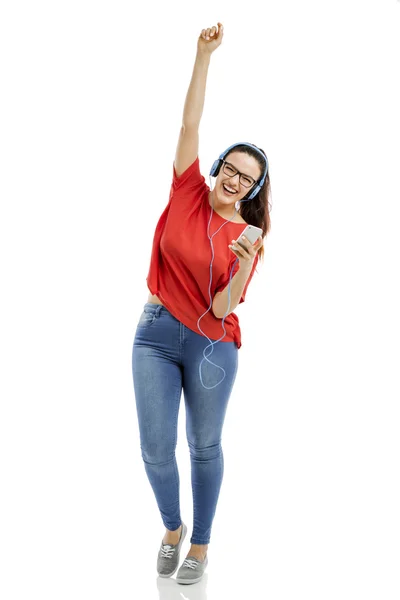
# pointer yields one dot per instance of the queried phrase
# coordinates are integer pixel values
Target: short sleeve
(224, 280)
(190, 180)
(243, 296)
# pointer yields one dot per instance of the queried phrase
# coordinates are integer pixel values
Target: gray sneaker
(168, 556)
(191, 570)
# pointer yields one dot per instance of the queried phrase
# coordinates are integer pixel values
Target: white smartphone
(252, 233)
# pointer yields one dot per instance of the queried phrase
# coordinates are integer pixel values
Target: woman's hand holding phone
(245, 249)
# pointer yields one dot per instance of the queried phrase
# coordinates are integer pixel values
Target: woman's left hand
(247, 254)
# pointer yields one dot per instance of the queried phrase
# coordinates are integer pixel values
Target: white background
(92, 96)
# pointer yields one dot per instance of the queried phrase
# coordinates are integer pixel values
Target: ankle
(172, 537)
(198, 550)
(175, 531)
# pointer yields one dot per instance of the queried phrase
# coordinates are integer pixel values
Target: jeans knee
(205, 453)
(157, 454)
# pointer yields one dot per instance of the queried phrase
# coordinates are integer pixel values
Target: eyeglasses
(230, 170)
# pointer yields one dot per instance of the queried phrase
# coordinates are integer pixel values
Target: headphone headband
(217, 165)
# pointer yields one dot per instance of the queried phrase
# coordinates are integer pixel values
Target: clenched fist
(210, 38)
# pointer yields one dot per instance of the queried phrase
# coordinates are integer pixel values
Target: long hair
(257, 211)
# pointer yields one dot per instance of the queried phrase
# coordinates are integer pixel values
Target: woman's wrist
(204, 55)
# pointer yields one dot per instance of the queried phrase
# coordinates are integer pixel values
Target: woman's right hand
(210, 39)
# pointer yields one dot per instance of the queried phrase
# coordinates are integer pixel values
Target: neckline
(226, 220)
(219, 216)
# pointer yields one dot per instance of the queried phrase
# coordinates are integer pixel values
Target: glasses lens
(229, 170)
(244, 180)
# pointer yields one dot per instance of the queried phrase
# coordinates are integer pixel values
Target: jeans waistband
(156, 308)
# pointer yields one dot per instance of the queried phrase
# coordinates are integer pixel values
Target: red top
(179, 271)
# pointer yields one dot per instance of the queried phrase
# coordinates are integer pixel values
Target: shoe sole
(187, 582)
(184, 531)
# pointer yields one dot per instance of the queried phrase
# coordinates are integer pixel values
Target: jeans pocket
(147, 317)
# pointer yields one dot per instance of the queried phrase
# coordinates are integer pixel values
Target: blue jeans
(165, 359)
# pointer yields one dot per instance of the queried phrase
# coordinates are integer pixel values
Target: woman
(169, 341)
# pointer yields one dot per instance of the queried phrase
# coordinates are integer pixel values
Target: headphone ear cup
(255, 191)
(215, 169)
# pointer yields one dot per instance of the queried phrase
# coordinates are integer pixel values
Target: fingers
(246, 245)
(240, 247)
(210, 32)
(246, 254)
(237, 249)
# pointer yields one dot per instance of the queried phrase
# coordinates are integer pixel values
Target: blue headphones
(215, 169)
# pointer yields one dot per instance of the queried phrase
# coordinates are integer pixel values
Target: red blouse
(179, 271)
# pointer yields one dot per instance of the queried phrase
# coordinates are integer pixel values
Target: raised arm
(188, 143)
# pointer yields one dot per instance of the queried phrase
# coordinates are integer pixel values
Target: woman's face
(247, 166)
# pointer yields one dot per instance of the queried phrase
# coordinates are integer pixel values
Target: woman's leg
(157, 381)
(205, 413)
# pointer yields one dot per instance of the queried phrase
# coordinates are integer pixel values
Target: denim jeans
(165, 360)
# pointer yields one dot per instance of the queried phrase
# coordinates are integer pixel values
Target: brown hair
(256, 211)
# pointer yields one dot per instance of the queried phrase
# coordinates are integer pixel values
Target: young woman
(198, 228)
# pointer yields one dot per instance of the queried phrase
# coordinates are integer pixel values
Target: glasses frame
(240, 174)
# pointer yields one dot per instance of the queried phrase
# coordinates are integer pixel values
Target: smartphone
(252, 233)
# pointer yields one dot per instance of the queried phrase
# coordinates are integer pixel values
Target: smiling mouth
(229, 193)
